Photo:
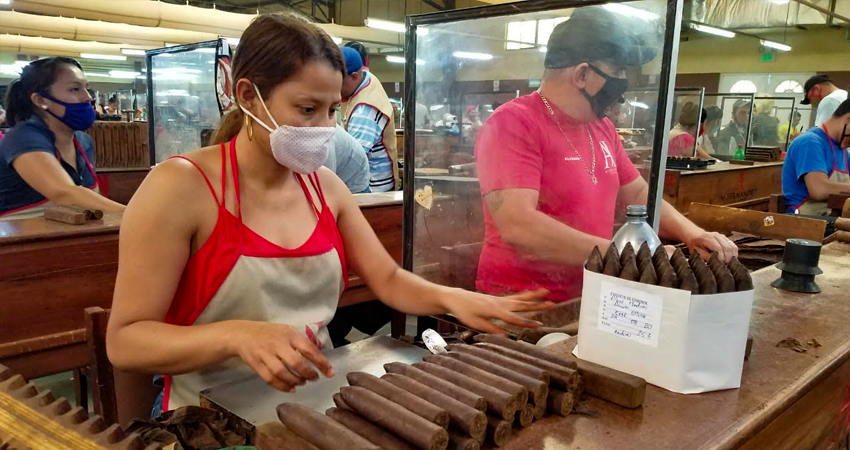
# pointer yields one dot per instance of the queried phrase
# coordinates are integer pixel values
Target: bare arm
(43, 172)
(409, 293)
(675, 226)
(820, 188)
(536, 234)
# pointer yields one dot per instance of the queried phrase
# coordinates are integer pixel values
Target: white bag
(681, 342)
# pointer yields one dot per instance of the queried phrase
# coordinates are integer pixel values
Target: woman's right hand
(279, 354)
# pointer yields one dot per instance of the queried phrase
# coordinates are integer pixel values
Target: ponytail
(229, 126)
(36, 77)
(18, 108)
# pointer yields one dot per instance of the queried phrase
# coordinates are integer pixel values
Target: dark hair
(843, 108)
(272, 49)
(37, 77)
(703, 116)
(713, 113)
(361, 49)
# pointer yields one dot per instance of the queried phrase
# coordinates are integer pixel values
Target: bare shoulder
(336, 192)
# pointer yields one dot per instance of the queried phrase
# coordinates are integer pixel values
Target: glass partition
(687, 111)
(733, 129)
(477, 73)
(182, 102)
(773, 122)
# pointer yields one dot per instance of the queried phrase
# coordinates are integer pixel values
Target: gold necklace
(592, 170)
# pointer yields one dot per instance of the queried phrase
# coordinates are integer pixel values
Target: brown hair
(271, 50)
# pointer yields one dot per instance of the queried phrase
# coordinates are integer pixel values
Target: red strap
(314, 180)
(234, 168)
(86, 158)
(212, 190)
(307, 192)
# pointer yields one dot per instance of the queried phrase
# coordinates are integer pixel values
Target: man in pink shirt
(552, 167)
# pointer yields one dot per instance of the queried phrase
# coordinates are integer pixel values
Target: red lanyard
(834, 156)
(85, 158)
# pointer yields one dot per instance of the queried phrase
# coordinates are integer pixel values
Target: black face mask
(611, 92)
(844, 135)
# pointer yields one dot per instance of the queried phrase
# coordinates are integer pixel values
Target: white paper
(630, 313)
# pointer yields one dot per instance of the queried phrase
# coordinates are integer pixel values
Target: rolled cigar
(499, 402)
(725, 281)
(560, 402)
(498, 431)
(611, 263)
(647, 274)
(644, 252)
(627, 253)
(532, 335)
(560, 376)
(687, 280)
(842, 223)
(630, 269)
(714, 261)
(319, 429)
(401, 397)
(734, 264)
(678, 259)
(524, 347)
(340, 403)
(667, 277)
(743, 279)
(594, 262)
(463, 417)
(371, 432)
(495, 358)
(612, 253)
(89, 214)
(518, 391)
(419, 432)
(643, 261)
(536, 389)
(540, 408)
(695, 261)
(458, 393)
(458, 441)
(97, 214)
(660, 257)
(707, 282)
(525, 415)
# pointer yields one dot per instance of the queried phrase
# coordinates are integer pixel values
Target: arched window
(744, 87)
(789, 86)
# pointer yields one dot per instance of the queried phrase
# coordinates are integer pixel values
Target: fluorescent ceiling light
(780, 2)
(142, 77)
(232, 41)
(387, 25)
(5, 2)
(132, 52)
(337, 40)
(776, 45)
(106, 57)
(174, 70)
(639, 105)
(436, 107)
(173, 93)
(472, 55)
(631, 11)
(401, 60)
(11, 69)
(712, 30)
(123, 74)
(384, 50)
(205, 50)
(97, 74)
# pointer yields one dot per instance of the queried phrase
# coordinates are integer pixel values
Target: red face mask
(701, 131)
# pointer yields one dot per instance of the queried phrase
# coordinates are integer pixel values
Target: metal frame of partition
(752, 98)
(700, 107)
(148, 61)
(669, 58)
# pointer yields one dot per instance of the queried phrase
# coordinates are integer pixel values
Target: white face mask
(301, 149)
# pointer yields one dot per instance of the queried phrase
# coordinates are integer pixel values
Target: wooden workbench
(51, 272)
(787, 400)
(724, 184)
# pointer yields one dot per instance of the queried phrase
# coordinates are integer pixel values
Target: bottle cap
(636, 210)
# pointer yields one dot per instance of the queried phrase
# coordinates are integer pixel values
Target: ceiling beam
(830, 14)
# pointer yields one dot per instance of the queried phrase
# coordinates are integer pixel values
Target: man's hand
(707, 242)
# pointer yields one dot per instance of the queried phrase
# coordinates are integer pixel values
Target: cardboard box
(681, 342)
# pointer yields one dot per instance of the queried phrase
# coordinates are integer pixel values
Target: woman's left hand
(476, 310)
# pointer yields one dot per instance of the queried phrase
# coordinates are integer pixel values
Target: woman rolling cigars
(46, 158)
(239, 250)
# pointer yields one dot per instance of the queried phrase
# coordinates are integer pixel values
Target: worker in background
(765, 125)
(734, 133)
(362, 51)
(551, 168)
(822, 93)
(683, 137)
(816, 165)
(708, 140)
(348, 161)
(794, 127)
(47, 158)
(368, 116)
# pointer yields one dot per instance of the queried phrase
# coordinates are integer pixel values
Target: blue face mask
(78, 116)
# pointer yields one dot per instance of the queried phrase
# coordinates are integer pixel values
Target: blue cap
(353, 62)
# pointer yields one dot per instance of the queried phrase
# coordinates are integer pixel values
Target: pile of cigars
(678, 272)
(458, 400)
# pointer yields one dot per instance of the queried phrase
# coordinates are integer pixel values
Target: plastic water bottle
(636, 230)
(739, 153)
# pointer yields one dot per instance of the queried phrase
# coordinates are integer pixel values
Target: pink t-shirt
(521, 147)
(681, 145)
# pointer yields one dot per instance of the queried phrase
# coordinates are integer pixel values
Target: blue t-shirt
(810, 152)
(34, 136)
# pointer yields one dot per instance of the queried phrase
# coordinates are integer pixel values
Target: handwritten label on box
(630, 313)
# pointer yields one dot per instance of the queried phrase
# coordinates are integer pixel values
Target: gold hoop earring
(250, 127)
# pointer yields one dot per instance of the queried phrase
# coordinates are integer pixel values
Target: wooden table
(51, 272)
(787, 400)
(724, 184)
